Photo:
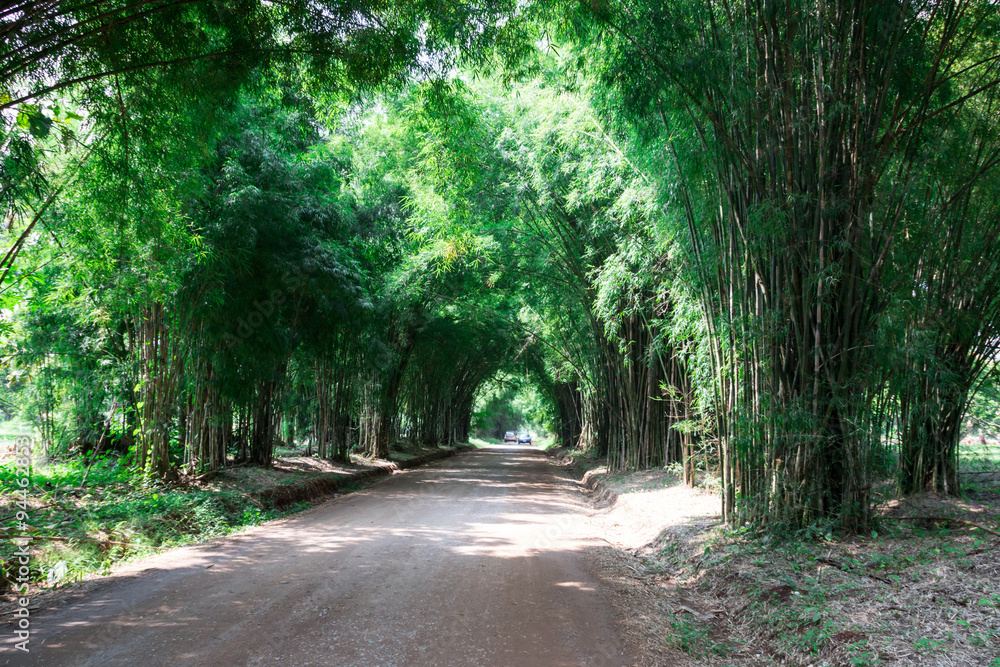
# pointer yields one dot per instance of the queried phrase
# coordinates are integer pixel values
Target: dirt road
(482, 559)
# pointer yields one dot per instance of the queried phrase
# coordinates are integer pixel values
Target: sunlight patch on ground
(576, 584)
(646, 507)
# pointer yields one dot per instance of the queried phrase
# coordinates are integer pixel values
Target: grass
(107, 515)
(14, 428)
(112, 508)
(694, 637)
(973, 455)
(979, 466)
(908, 592)
(543, 441)
(479, 443)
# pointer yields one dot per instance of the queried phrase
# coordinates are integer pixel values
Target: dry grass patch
(920, 591)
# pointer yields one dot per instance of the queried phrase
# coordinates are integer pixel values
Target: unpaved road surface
(482, 559)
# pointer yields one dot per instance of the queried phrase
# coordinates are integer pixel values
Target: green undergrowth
(113, 518)
(106, 515)
(479, 443)
(630, 481)
(401, 454)
(544, 441)
(979, 463)
(924, 590)
(580, 460)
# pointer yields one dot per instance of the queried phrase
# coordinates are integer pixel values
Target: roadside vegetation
(754, 244)
(93, 515)
(915, 592)
(918, 590)
(109, 519)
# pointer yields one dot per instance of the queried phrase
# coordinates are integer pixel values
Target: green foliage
(239, 229)
(508, 404)
(694, 638)
(111, 506)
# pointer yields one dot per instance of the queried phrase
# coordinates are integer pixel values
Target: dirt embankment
(323, 478)
(919, 591)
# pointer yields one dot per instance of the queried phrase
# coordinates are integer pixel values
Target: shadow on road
(476, 560)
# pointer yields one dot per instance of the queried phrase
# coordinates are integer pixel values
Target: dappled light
(644, 289)
(467, 552)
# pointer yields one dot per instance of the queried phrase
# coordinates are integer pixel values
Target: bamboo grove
(756, 240)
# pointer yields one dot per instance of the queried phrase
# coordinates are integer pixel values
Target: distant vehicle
(524, 439)
(510, 436)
